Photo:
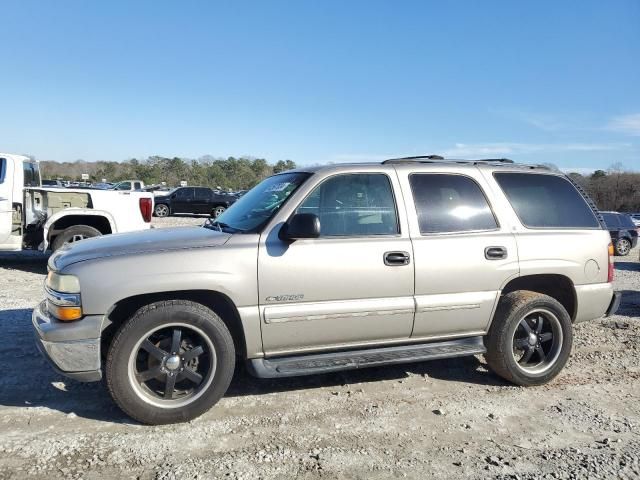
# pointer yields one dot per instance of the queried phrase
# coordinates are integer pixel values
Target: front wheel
(170, 362)
(623, 247)
(530, 339)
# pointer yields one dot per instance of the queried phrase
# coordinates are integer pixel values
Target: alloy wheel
(537, 341)
(171, 366)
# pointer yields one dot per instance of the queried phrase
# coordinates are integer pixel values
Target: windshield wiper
(220, 226)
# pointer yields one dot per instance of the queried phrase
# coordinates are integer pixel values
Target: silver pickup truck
(331, 268)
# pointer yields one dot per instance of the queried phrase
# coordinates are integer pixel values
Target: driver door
(343, 287)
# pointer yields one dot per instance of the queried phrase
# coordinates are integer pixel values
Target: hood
(154, 240)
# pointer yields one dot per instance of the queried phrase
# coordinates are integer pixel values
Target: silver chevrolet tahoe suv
(332, 268)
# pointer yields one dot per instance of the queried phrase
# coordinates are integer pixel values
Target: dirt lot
(444, 419)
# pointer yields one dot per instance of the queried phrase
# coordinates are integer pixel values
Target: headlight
(63, 296)
(63, 283)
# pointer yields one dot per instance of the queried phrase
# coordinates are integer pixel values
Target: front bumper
(72, 348)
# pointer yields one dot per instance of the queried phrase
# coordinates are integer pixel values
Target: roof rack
(438, 158)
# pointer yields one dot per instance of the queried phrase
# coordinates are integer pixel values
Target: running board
(315, 363)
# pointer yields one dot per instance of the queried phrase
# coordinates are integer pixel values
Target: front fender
(74, 211)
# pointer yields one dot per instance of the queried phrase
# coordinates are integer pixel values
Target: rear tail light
(611, 267)
(145, 209)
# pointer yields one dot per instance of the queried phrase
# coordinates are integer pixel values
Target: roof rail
(438, 158)
(416, 158)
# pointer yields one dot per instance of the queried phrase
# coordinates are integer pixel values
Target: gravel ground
(441, 419)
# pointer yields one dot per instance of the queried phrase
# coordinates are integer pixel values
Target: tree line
(228, 173)
(615, 189)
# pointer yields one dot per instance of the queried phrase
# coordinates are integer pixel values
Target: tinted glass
(31, 177)
(124, 186)
(626, 222)
(611, 220)
(450, 203)
(3, 168)
(203, 193)
(353, 205)
(547, 201)
(185, 193)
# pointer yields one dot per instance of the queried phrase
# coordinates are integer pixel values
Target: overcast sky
(320, 81)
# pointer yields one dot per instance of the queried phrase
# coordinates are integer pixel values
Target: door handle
(393, 259)
(495, 253)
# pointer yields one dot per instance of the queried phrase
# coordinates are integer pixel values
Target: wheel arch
(216, 301)
(556, 286)
(98, 219)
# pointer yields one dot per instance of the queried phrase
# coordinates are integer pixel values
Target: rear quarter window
(611, 220)
(546, 201)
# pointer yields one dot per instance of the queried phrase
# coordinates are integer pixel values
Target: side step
(315, 363)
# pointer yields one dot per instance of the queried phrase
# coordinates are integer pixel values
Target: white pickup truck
(33, 217)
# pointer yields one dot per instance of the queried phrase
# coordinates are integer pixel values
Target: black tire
(509, 340)
(218, 210)
(74, 234)
(623, 247)
(161, 210)
(138, 400)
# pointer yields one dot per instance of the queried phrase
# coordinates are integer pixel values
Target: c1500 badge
(285, 298)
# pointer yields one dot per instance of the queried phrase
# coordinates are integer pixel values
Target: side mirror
(174, 195)
(301, 225)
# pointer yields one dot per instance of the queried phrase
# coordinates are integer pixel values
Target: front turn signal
(65, 314)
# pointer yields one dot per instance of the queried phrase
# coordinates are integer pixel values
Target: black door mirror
(301, 225)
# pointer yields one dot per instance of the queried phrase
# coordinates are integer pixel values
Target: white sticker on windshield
(278, 187)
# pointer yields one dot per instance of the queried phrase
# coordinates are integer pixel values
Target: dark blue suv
(623, 231)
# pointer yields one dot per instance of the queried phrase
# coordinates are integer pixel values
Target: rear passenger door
(202, 200)
(463, 253)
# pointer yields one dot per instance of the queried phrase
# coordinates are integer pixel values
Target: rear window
(546, 201)
(31, 174)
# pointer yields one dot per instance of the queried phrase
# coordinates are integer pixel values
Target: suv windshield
(259, 204)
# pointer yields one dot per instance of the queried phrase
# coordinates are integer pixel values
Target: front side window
(184, 193)
(124, 186)
(354, 205)
(546, 201)
(450, 203)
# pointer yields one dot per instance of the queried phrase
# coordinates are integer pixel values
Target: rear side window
(450, 203)
(357, 204)
(546, 201)
(3, 169)
(203, 193)
(31, 175)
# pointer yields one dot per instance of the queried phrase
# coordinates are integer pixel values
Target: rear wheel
(74, 234)
(170, 362)
(530, 339)
(623, 247)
